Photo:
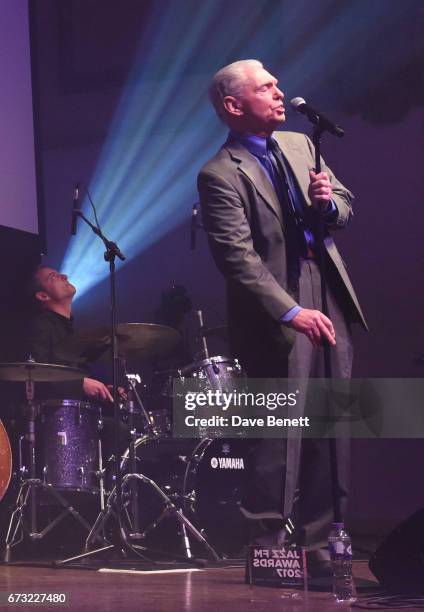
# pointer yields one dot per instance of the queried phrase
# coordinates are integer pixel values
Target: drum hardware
(132, 380)
(181, 504)
(133, 397)
(175, 504)
(100, 474)
(170, 510)
(220, 331)
(22, 469)
(129, 404)
(217, 373)
(130, 488)
(191, 482)
(202, 335)
(31, 372)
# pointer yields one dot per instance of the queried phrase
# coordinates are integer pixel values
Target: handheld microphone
(75, 210)
(315, 117)
(193, 227)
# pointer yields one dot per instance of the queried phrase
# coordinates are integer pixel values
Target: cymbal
(133, 339)
(38, 372)
(147, 339)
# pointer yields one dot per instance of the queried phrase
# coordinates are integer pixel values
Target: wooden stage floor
(207, 590)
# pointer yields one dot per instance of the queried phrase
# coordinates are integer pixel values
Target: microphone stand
(112, 251)
(335, 482)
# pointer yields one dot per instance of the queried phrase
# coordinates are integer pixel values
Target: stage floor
(206, 590)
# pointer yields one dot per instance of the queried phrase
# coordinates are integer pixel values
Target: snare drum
(69, 444)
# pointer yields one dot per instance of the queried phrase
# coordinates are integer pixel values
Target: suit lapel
(254, 172)
(296, 159)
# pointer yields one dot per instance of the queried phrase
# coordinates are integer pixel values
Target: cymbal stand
(131, 391)
(202, 335)
(101, 471)
(27, 492)
(106, 511)
(132, 380)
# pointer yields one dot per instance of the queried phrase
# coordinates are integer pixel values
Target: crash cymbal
(38, 372)
(134, 339)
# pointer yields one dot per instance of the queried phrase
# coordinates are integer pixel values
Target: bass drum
(205, 478)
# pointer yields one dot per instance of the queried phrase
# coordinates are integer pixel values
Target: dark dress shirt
(48, 334)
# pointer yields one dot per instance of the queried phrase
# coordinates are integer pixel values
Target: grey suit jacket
(245, 227)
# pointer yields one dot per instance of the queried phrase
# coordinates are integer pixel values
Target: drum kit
(60, 453)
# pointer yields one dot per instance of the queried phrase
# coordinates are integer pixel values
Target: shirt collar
(256, 145)
(56, 315)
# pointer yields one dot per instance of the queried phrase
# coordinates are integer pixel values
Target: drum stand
(132, 380)
(169, 510)
(27, 492)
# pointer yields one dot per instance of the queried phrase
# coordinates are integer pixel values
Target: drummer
(51, 326)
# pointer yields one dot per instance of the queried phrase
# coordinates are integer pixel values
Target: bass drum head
(216, 479)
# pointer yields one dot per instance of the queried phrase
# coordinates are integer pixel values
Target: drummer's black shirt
(47, 344)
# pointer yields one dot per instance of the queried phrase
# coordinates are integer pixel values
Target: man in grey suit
(261, 202)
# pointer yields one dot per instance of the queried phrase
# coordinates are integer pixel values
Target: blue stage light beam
(144, 183)
(163, 129)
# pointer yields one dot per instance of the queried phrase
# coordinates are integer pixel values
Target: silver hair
(229, 81)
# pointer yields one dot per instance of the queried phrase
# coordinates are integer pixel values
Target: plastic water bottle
(340, 548)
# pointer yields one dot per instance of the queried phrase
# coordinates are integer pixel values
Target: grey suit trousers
(291, 477)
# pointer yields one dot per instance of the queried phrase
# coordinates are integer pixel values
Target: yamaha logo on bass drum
(227, 463)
